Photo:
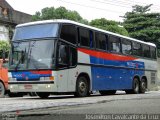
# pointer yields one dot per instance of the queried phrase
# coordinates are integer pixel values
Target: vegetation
(4, 46)
(58, 13)
(109, 25)
(143, 25)
(63, 13)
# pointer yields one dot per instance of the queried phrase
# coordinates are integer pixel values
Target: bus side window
(73, 57)
(153, 52)
(101, 41)
(137, 49)
(62, 55)
(68, 33)
(86, 37)
(126, 47)
(114, 44)
(146, 51)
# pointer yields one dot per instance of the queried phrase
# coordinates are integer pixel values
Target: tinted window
(114, 44)
(146, 51)
(62, 55)
(86, 37)
(126, 47)
(153, 52)
(100, 41)
(73, 56)
(3, 54)
(137, 49)
(68, 33)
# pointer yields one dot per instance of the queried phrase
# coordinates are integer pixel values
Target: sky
(88, 9)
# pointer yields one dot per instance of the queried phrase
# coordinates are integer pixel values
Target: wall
(4, 33)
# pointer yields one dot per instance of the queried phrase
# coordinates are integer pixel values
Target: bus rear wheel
(135, 87)
(43, 95)
(82, 88)
(2, 90)
(107, 92)
(143, 85)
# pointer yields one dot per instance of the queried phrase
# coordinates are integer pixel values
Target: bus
(66, 57)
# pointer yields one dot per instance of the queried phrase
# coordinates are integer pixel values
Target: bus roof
(82, 25)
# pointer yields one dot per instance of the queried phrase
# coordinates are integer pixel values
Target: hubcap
(82, 87)
(143, 85)
(136, 86)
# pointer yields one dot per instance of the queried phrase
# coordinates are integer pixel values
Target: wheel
(43, 95)
(2, 90)
(136, 86)
(82, 87)
(143, 86)
(107, 92)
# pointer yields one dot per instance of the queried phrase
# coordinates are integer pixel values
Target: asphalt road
(120, 106)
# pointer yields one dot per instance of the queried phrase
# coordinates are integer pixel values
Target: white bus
(62, 56)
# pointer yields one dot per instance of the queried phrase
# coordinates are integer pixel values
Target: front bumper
(32, 86)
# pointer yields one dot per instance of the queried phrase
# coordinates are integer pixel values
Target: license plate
(28, 86)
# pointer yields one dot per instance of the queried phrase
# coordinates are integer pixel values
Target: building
(9, 18)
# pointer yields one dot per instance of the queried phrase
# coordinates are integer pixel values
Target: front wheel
(82, 87)
(2, 90)
(43, 95)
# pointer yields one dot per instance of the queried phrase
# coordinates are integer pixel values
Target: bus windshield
(36, 31)
(32, 54)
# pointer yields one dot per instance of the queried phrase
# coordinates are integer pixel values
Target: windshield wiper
(21, 58)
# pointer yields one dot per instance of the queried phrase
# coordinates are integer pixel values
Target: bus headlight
(12, 79)
(46, 78)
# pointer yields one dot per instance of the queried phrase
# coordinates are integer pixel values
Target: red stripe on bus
(44, 72)
(106, 56)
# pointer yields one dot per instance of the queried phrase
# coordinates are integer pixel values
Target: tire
(43, 95)
(2, 90)
(143, 86)
(107, 92)
(135, 87)
(82, 87)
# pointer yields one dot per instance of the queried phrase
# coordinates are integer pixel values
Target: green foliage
(142, 25)
(141, 9)
(4, 46)
(58, 13)
(109, 25)
(63, 13)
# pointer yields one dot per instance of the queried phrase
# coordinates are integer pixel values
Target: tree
(58, 13)
(143, 25)
(4, 46)
(109, 25)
